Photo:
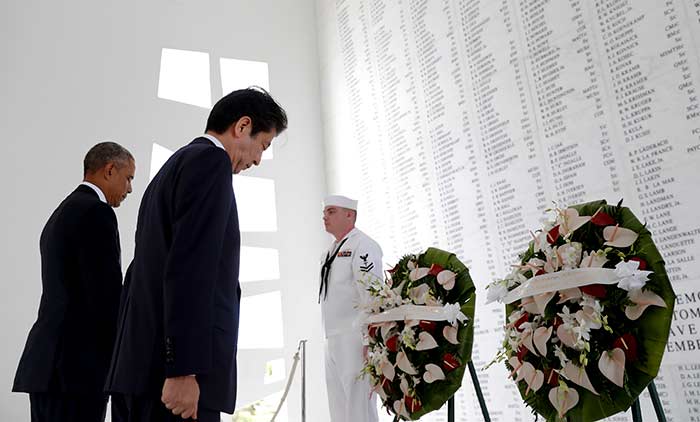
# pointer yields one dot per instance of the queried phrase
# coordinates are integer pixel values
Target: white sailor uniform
(357, 257)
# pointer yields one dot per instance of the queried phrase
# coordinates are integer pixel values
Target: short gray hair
(104, 153)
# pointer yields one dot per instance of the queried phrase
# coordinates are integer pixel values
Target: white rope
(289, 382)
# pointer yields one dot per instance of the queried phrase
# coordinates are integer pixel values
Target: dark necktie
(326, 271)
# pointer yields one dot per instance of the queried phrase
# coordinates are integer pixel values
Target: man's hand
(181, 395)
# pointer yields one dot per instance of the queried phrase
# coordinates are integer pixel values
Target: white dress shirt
(214, 140)
(97, 190)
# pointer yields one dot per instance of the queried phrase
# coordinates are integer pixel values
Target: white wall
(457, 122)
(74, 73)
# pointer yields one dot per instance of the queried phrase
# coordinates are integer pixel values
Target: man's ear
(109, 170)
(242, 126)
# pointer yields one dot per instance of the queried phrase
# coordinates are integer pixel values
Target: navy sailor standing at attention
(65, 361)
(351, 257)
(175, 354)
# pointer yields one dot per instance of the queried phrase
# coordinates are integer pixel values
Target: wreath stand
(636, 409)
(654, 395)
(479, 395)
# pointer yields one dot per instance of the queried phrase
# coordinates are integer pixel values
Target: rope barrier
(289, 381)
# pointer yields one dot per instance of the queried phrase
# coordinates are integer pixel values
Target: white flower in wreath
(582, 330)
(570, 254)
(591, 311)
(631, 278)
(513, 339)
(559, 354)
(566, 316)
(408, 337)
(496, 291)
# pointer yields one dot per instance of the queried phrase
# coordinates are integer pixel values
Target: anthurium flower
(528, 304)
(400, 408)
(578, 375)
(372, 331)
(412, 404)
(600, 218)
(419, 294)
(534, 378)
(553, 235)
(525, 369)
(619, 237)
(450, 362)
(642, 263)
(566, 335)
(433, 373)
(540, 339)
(388, 370)
(526, 340)
(403, 385)
(450, 334)
(522, 317)
(446, 278)
(522, 352)
(428, 325)
(418, 273)
(595, 290)
(516, 364)
(612, 365)
(404, 364)
(593, 259)
(569, 221)
(541, 240)
(628, 344)
(386, 328)
(425, 341)
(563, 399)
(392, 343)
(542, 300)
(435, 269)
(642, 299)
(569, 295)
(551, 377)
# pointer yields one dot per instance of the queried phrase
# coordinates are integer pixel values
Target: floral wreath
(420, 332)
(588, 309)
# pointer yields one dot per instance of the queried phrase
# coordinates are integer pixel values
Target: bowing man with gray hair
(351, 257)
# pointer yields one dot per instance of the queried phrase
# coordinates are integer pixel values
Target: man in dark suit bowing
(175, 353)
(67, 355)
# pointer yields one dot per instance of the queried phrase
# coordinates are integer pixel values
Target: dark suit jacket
(70, 345)
(179, 311)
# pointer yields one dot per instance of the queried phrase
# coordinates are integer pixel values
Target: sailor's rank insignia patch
(366, 266)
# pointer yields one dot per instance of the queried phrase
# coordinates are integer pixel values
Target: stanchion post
(303, 380)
